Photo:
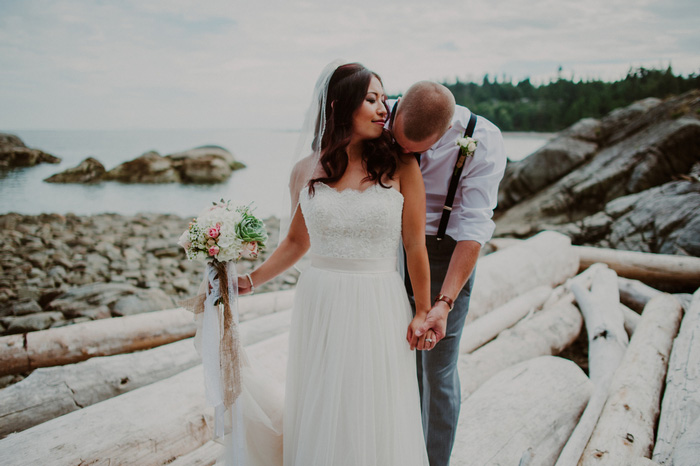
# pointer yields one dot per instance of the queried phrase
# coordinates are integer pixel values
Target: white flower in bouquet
(224, 233)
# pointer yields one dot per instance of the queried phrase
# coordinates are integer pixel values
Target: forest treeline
(561, 103)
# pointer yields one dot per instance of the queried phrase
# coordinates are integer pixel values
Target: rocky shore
(630, 180)
(57, 270)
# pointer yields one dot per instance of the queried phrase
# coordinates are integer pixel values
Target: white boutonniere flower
(467, 146)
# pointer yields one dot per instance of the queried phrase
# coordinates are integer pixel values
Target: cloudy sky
(127, 64)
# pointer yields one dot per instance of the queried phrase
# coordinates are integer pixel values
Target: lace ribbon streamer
(216, 313)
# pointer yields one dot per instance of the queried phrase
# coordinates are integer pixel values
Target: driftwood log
(53, 391)
(681, 404)
(486, 328)
(648, 268)
(545, 259)
(525, 411)
(205, 455)
(152, 425)
(607, 342)
(688, 448)
(625, 430)
(635, 294)
(78, 342)
(547, 332)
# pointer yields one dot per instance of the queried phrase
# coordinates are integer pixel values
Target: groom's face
(408, 146)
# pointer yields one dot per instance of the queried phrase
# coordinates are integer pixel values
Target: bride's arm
(413, 232)
(290, 250)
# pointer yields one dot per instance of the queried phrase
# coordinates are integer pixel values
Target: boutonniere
(467, 146)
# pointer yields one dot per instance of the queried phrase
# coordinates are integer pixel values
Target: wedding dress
(351, 395)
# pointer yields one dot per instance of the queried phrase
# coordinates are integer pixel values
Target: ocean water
(265, 152)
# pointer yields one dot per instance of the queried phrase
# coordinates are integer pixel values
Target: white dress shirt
(477, 192)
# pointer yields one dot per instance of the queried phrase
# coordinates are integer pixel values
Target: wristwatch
(450, 303)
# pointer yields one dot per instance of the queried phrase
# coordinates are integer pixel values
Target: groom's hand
(436, 320)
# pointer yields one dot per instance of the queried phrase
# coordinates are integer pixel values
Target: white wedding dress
(351, 396)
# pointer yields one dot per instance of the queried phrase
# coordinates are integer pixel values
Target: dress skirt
(351, 396)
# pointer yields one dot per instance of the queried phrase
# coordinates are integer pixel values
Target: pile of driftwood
(130, 390)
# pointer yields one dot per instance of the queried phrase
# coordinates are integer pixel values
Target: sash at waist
(341, 264)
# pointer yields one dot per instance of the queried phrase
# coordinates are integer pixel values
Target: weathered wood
(74, 343)
(625, 430)
(53, 391)
(547, 332)
(635, 294)
(631, 319)
(646, 267)
(607, 342)
(545, 259)
(533, 406)
(78, 342)
(149, 426)
(681, 404)
(486, 328)
(205, 455)
(688, 447)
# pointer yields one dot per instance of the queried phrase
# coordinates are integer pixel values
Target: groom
(426, 122)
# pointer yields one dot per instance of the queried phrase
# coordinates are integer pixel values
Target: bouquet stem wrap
(216, 312)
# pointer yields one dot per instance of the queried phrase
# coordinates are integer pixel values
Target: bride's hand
(243, 285)
(415, 324)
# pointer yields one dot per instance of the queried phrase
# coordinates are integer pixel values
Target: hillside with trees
(562, 102)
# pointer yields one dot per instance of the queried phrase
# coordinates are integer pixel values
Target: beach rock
(637, 191)
(205, 164)
(137, 252)
(33, 322)
(13, 153)
(88, 171)
(25, 307)
(150, 167)
(120, 299)
(557, 158)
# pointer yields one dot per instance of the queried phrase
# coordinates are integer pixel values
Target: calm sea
(265, 152)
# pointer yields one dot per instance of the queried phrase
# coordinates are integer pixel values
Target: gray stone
(24, 307)
(205, 164)
(121, 299)
(89, 170)
(528, 176)
(33, 322)
(150, 167)
(13, 153)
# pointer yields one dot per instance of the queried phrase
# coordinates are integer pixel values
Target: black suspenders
(454, 182)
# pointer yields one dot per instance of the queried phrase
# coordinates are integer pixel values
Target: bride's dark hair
(347, 89)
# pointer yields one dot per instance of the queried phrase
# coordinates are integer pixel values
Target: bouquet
(224, 233)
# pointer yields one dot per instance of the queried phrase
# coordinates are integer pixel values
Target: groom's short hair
(426, 108)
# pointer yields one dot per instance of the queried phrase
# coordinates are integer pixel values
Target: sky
(179, 64)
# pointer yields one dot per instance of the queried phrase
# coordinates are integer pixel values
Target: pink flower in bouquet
(214, 250)
(250, 250)
(213, 232)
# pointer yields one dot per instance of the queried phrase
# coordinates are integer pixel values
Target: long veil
(307, 153)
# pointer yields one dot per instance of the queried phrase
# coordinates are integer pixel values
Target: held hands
(435, 321)
(425, 342)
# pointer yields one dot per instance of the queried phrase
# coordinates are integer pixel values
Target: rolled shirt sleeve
(478, 186)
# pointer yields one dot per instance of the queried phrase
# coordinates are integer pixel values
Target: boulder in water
(13, 153)
(89, 170)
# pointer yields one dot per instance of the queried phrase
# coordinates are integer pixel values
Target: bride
(351, 396)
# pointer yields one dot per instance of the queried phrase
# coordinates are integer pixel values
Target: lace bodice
(353, 224)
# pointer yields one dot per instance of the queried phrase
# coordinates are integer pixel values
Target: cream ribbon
(217, 305)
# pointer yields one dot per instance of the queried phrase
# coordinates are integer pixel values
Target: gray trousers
(438, 380)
